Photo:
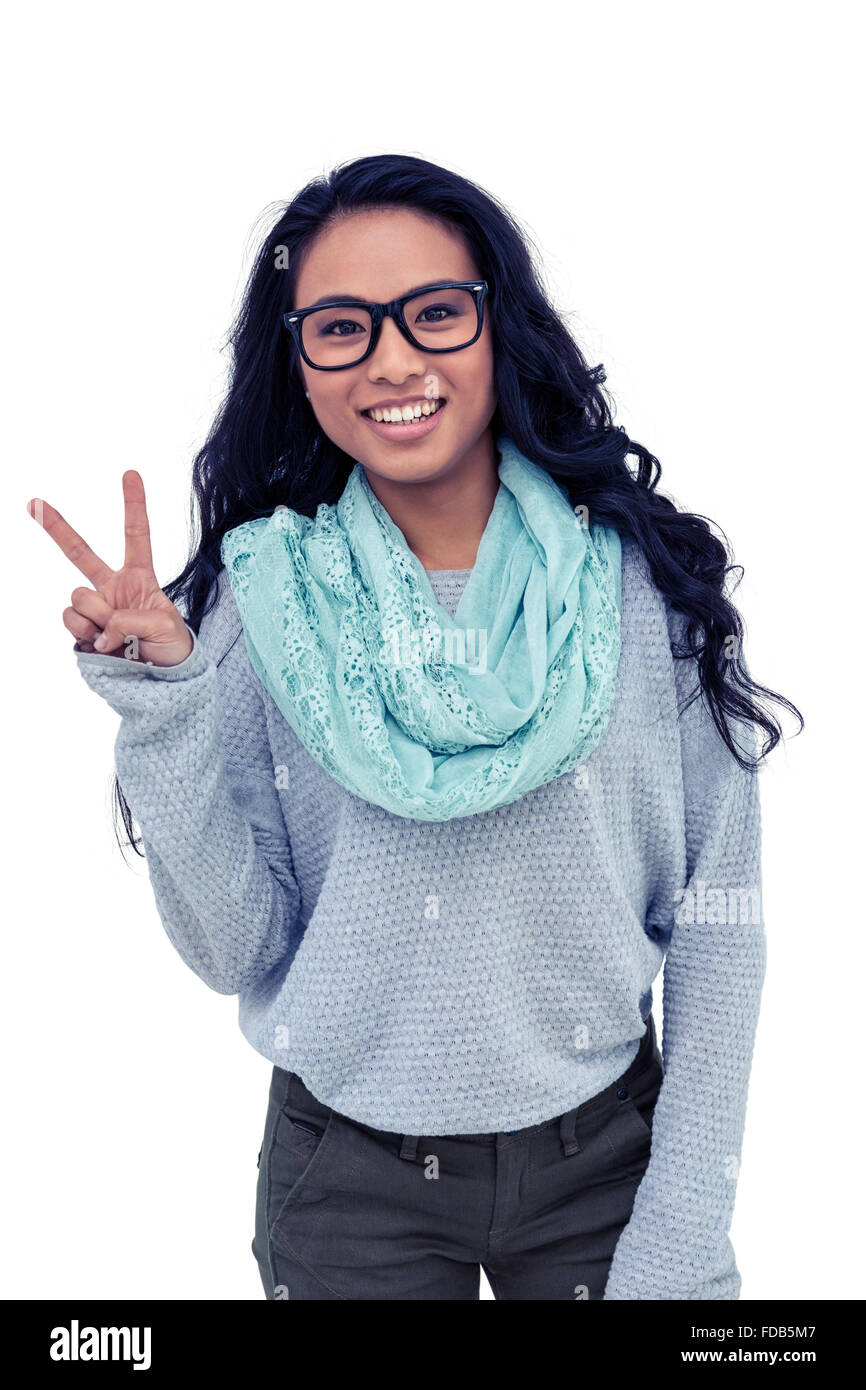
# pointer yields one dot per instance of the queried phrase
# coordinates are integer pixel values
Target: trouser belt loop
(568, 1134)
(409, 1147)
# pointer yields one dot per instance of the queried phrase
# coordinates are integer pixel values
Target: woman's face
(379, 256)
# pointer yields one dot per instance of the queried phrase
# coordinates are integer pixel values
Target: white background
(689, 175)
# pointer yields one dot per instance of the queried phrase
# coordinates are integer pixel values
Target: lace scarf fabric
(429, 716)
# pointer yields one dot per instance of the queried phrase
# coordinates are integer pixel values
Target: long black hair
(266, 447)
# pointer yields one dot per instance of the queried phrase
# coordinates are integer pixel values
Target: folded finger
(92, 605)
(81, 628)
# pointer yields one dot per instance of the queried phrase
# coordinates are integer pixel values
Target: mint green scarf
(427, 716)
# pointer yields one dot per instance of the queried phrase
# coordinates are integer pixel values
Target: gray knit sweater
(485, 973)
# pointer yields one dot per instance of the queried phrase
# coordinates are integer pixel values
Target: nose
(394, 356)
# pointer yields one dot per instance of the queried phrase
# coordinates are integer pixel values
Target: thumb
(126, 627)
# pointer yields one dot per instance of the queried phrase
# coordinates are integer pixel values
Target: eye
(327, 330)
(444, 309)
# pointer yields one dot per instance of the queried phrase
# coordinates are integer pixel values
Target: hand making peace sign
(123, 603)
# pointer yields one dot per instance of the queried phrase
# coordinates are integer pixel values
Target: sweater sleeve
(676, 1244)
(193, 760)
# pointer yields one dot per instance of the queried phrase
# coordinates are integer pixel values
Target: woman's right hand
(125, 613)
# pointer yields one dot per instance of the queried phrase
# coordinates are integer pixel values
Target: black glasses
(444, 317)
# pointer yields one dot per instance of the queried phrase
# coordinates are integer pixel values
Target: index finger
(74, 547)
(136, 525)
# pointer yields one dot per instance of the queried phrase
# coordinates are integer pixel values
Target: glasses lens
(339, 336)
(442, 318)
(336, 337)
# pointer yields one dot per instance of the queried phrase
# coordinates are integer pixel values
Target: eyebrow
(359, 299)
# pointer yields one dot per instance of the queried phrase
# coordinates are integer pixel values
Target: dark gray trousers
(350, 1212)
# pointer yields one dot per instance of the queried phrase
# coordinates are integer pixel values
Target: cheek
(475, 377)
(337, 416)
(330, 401)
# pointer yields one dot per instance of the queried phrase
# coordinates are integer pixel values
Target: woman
(452, 745)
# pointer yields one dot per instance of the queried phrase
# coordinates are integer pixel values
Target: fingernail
(99, 642)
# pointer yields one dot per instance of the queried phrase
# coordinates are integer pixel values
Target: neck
(443, 518)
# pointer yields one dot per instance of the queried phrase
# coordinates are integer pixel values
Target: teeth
(409, 412)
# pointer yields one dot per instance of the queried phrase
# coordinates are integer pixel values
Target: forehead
(378, 255)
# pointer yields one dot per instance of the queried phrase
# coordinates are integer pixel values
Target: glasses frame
(479, 290)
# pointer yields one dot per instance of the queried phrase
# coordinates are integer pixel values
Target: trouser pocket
(304, 1132)
(296, 1125)
(630, 1121)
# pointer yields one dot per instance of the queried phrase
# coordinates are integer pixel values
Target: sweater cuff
(193, 665)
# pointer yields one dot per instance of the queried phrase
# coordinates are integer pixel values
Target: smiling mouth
(408, 414)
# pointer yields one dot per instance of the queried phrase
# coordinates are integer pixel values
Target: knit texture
(490, 972)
